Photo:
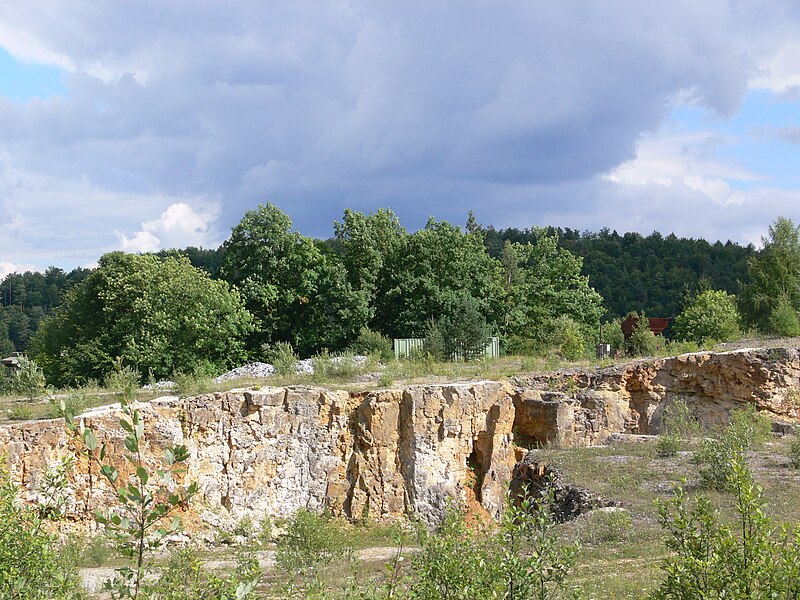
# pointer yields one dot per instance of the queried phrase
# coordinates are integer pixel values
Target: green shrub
(21, 412)
(713, 559)
(184, 578)
(373, 343)
(28, 379)
(32, 565)
(642, 342)
(794, 453)
(282, 356)
(679, 421)
(191, 383)
(667, 445)
(310, 540)
(783, 319)
(747, 430)
(711, 315)
(612, 334)
(568, 338)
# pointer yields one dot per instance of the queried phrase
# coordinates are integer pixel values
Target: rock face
(398, 451)
(274, 451)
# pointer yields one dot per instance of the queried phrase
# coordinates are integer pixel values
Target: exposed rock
(391, 452)
(538, 480)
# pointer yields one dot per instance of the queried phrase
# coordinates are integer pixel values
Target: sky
(141, 125)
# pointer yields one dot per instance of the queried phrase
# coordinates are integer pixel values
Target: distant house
(657, 325)
(12, 362)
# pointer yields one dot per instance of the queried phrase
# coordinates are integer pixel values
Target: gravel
(257, 370)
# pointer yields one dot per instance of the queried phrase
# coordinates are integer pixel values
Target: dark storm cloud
(430, 108)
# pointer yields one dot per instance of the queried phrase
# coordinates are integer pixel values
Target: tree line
(268, 285)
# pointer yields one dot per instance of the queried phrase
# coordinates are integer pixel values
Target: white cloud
(178, 227)
(7, 268)
(686, 158)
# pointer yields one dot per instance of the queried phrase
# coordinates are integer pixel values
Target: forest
(267, 284)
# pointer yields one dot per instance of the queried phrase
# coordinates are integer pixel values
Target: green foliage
(679, 420)
(147, 501)
(794, 453)
(568, 338)
(20, 413)
(747, 429)
(543, 282)
(667, 445)
(642, 342)
(282, 356)
(612, 334)
(28, 379)
(160, 316)
(429, 274)
(653, 272)
(771, 300)
(783, 318)
(32, 565)
(373, 343)
(54, 489)
(460, 335)
(296, 292)
(711, 315)
(713, 559)
(523, 558)
(184, 578)
(310, 540)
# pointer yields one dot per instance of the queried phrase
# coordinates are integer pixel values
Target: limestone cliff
(399, 451)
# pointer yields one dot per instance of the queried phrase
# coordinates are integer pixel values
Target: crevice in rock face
(538, 480)
(536, 420)
(475, 474)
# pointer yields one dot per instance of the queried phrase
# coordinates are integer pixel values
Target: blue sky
(21, 81)
(147, 125)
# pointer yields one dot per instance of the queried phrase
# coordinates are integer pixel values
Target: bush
(460, 335)
(747, 430)
(711, 315)
(612, 334)
(794, 453)
(642, 341)
(667, 445)
(679, 421)
(310, 540)
(184, 578)
(569, 338)
(711, 559)
(783, 318)
(282, 356)
(32, 566)
(373, 343)
(28, 379)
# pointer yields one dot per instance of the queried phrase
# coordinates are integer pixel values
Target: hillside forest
(269, 287)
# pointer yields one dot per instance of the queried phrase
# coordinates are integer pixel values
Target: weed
(794, 453)
(22, 412)
(605, 526)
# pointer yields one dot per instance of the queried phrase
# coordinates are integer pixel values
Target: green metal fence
(407, 347)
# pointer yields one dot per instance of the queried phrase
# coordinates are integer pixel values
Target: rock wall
(398, 451)
(273, 451)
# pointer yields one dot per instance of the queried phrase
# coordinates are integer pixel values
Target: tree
(711, 315)
(460, 335)
(429, 276)
(296, 293)
(542, 283)
(32, 566)
(771, 300)
(160, 316)
(370, 246)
